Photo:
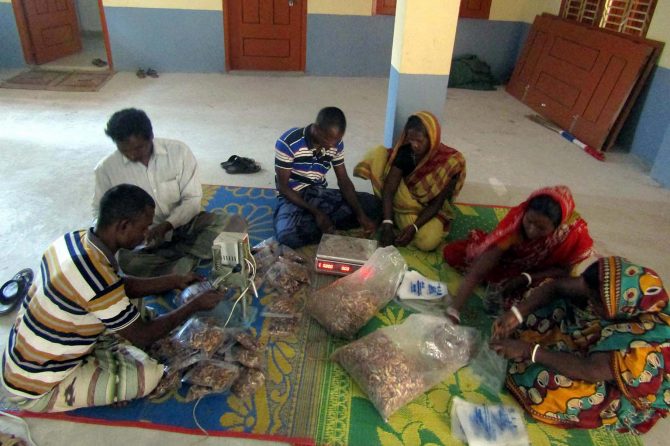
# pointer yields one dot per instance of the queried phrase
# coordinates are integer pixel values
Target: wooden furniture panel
(579, 77)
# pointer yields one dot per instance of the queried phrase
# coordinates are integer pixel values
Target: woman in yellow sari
(417, 181)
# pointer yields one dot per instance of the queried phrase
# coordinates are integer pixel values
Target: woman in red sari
(543, 237)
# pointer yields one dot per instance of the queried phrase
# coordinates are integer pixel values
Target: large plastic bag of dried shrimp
(346, 305)
(395, 364)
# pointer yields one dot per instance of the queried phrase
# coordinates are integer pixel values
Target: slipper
(152, 73)
(99, 62)
(235, 159)
(243, 166)
(14, 291)
(140, 73)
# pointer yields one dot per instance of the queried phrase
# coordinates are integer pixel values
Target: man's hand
(387, 236)
(207, 300)
(156, 235)
(181, 281)
(405, 236)
(504, 325)
(513, 349)
(369, 226)
(324, 223)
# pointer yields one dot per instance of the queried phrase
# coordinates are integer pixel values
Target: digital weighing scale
(340, 255)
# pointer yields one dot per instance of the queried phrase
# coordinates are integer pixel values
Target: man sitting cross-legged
(77, 339)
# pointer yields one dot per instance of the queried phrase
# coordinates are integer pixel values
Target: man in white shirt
(181, 233)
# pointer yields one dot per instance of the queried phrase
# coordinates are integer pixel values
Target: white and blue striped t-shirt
(292, 152)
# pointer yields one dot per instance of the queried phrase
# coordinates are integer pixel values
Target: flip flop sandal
(234, 159)
(14, 291)
(140, 73)
(152, 73)
(243, 166)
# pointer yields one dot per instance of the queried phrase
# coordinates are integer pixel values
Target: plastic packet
(217, 375)
(249, 381)
(395, 364)
(248, 341)
(346, 305)
(265, 253)
(171, 379)
(286, 277)
(490, 367)
(199, 334)
(248, 358)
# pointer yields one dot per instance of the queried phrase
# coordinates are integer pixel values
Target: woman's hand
(513, 349)
(513, 285)
(504, 326)
(406, 236)
(387, 236)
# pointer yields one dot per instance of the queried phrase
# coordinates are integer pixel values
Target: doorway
(265, 34)
(64, 34)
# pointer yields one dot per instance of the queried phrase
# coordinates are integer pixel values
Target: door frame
(226, 35)
(27, 43)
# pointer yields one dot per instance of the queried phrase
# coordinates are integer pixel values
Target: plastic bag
(248, 382)
(286, 276)
(247, 341)
(346, 305)
(283, 316)
(395, 364)
(268, 251)
(217, 375)
(248, 358)
(199, 334)
(490, 367)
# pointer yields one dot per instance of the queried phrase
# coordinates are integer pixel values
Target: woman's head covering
(628, 290)
(435, 170)
(568, 245)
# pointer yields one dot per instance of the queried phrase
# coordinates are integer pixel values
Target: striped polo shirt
(292, 152)
(78, 297)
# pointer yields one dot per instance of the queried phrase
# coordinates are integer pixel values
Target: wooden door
(577, 76)
(475, 9)
(265, 34)
(52, 27)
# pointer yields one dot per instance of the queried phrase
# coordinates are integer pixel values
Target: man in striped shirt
(61, 354)
(306, 208)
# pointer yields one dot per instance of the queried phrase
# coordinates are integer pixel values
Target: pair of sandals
(149, 72)
(239, 164)
(14, 291)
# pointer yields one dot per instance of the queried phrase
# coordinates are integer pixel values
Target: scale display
(340, 255)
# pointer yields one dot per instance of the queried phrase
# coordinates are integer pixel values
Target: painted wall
(89, 16)
(646, 130)
(11, 54)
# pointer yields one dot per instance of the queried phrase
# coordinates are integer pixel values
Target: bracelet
(451, 311)
(387, 222)
(528, 278)
(532, 355)
(517, 314)
(416, 228)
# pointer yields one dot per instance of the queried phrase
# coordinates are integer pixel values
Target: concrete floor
(51, 141)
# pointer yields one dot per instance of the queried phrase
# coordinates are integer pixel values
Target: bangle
(517, 313)
(528, 278)
(532, 355)
(416, 228)
(451, 311)
(387, 222)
